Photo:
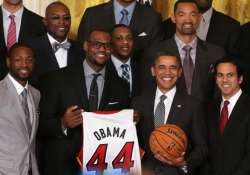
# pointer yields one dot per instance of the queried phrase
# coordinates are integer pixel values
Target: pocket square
(143, 34)
(113, 103)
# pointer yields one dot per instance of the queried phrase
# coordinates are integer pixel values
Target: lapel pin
(178, 106)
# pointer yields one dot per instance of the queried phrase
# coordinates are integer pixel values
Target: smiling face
(57, 21)
(227, 79)
(98, 49)
(122, 41)
(20, 64)
(166, 71)
(186, 18)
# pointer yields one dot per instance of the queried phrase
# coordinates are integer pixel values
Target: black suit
(60, 90)
(46, 60)
(144, 19)
(185, 112)
(203, 86)
(136, 90)
(31, 26)
(223, 31)
(243, 54)
(229, 154)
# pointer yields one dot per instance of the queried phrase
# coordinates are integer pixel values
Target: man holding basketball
(229, 123)
(176, 108)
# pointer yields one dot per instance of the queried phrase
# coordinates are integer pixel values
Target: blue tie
(124, 18)
(125, 72)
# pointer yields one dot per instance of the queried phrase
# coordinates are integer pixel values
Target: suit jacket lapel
(2, 39)
(136, 16)
(212, 27)
(13, 96)
(24, 28)
(176, 109)
(107, 82)
(109, 13)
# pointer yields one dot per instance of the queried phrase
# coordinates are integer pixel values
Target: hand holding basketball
(168, 143)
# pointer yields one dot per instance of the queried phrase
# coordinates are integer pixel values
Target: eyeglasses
(98, 45)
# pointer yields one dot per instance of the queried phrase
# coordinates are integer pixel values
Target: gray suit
(15, 143)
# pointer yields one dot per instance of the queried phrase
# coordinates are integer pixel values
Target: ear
(152, 71)
(240, 79)
(179, 72)
(173, 18)
(45, 22)
(85, 46)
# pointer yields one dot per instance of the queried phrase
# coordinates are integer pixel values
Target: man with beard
(18, 114)
(17, 24)
(197, 56)
(214, 27)
(89, 86)
(55, 50)
(122, 60)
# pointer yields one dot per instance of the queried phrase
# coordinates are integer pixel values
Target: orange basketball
(168, 139)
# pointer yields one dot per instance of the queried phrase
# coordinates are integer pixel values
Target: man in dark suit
(54, 50)
(122, 60)
(89, 86)
(144, 21)
(197, 56)
(180, 109)
(214, 27)
(229, 123)
(243, 53)
(27, 25)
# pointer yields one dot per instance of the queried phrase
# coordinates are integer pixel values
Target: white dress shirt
(6, 22)
(167, 102)
(118, 68)
(181, 44)
(203, 27)
(61, 54)
(232, 102)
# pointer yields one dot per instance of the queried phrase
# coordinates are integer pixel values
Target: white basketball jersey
(110, 144)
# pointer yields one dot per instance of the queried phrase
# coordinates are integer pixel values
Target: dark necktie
(24, 100)
(93, 94)
(57, 46)
(125, 72)
(188, 68)
(124, 18)
(11, 36)
(224, 116)
(160, 112)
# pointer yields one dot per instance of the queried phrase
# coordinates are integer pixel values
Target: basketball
(168, 139)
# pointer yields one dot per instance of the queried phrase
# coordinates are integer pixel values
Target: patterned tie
(188, 68)
(11, 36)
(160, 112)
(93, 94)
(57, 46)
(224, 116)
(24, 100)
(124, 18)
(125, 72)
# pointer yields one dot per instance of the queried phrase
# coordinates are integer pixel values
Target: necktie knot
(187, 48)
(24, 93)
(226, 103)
(124, 12)
(125, 66)
(95, 76)
(12, 17)
(162, 98)
(57, 46)
(124, 18)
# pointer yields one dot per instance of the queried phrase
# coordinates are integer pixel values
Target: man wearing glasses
(90, 86)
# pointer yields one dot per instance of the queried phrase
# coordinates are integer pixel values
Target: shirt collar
(208, 15)
(234, 98)
(52, 40)
(130, 8)
(170, 94)
(19, 88)
(88, 71)
(18, 14)
(181, 44)
(118, 63)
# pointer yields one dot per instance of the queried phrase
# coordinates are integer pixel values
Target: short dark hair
(56, 3)
(166, 53)
(184, 1)
(233, 61)
(17, 45)
(121, 25)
